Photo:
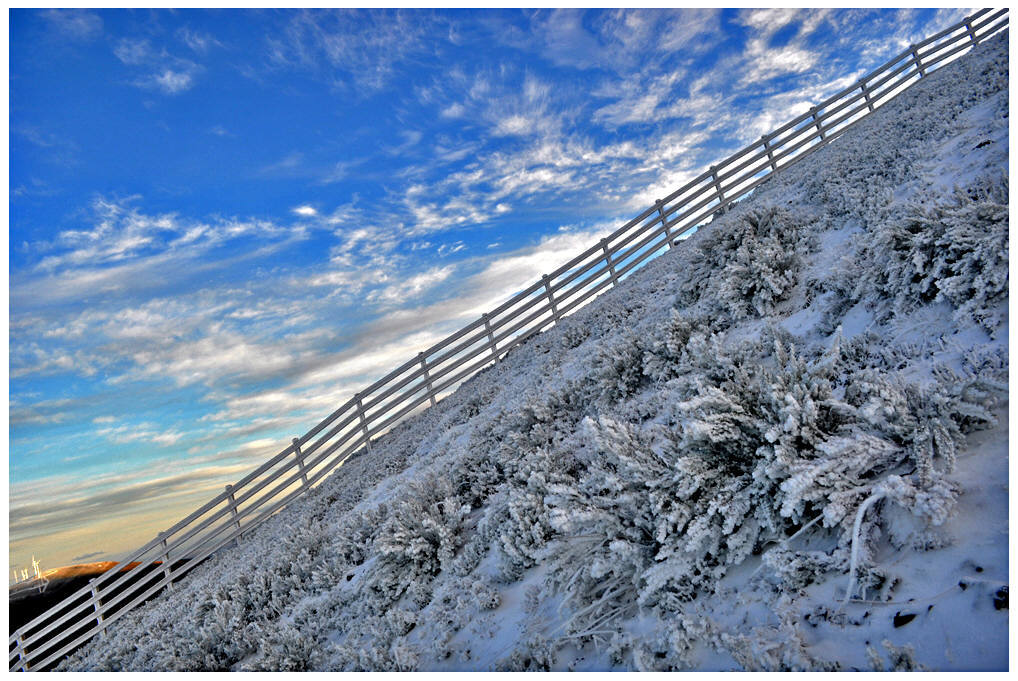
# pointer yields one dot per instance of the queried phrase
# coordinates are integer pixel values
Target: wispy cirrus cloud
(122, 233)
(762, 60)
(620, 41)
(55, 148)
(165, 73)
(142, 432)
(77, 24)
(172, 82)
(134, 51)
(39, 412)
(411, 288)
(354, 49)
(198, 41)
(301, 165)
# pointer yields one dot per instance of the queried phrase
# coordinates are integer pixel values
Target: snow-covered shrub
(285, 648)
(797, 569)
(354, 535)
(527, 528)
(574, 334)
(954, 250)
(618, 368)
(421, 534)
(765, 267)
(662, 359)
(750, 263)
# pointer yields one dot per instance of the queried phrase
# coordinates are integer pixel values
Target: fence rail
(349, 430)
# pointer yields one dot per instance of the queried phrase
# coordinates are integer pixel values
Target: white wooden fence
(348, 431)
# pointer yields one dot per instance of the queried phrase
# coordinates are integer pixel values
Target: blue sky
(222, 223)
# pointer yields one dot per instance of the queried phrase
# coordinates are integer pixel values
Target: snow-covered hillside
(782, 445)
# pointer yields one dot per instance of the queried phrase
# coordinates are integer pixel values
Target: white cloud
(761, 61)
(210, 360)
(625, 42)
(198, 42)
(448, 249)
(135, 283)
(412, 287)
(411, 138)
(122, 233)
(173, 82)
(694, 30)
(314, 379)
(142, 432)
(133, 51)
(641, 98)
(396, 337)
(454, 110)
(75, 23)
(768, 20)
(513, 125)
(339, 171)
(166, 73)
(305, 211)
(284, 166)
(766, 62)
(36, 414)
(354, 48)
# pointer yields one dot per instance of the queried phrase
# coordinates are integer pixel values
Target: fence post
(866, 94)
(19, 648)
(491, 336)
(918, 62)
(970, 31)
(664, 221)
(427, 378)
(166, 560)
(611, 263)
(300, 460)
(231, 503)
(816, 122)
(551, 298)
(717, 185)
(770, 153)
(95, 606)
(364, 422)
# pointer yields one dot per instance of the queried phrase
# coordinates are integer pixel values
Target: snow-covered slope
(782, 445)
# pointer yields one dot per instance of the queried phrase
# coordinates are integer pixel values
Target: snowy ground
(683, 474)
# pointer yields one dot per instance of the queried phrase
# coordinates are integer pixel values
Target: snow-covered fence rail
(350, 429)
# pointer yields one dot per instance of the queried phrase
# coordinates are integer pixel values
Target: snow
(678, 475)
